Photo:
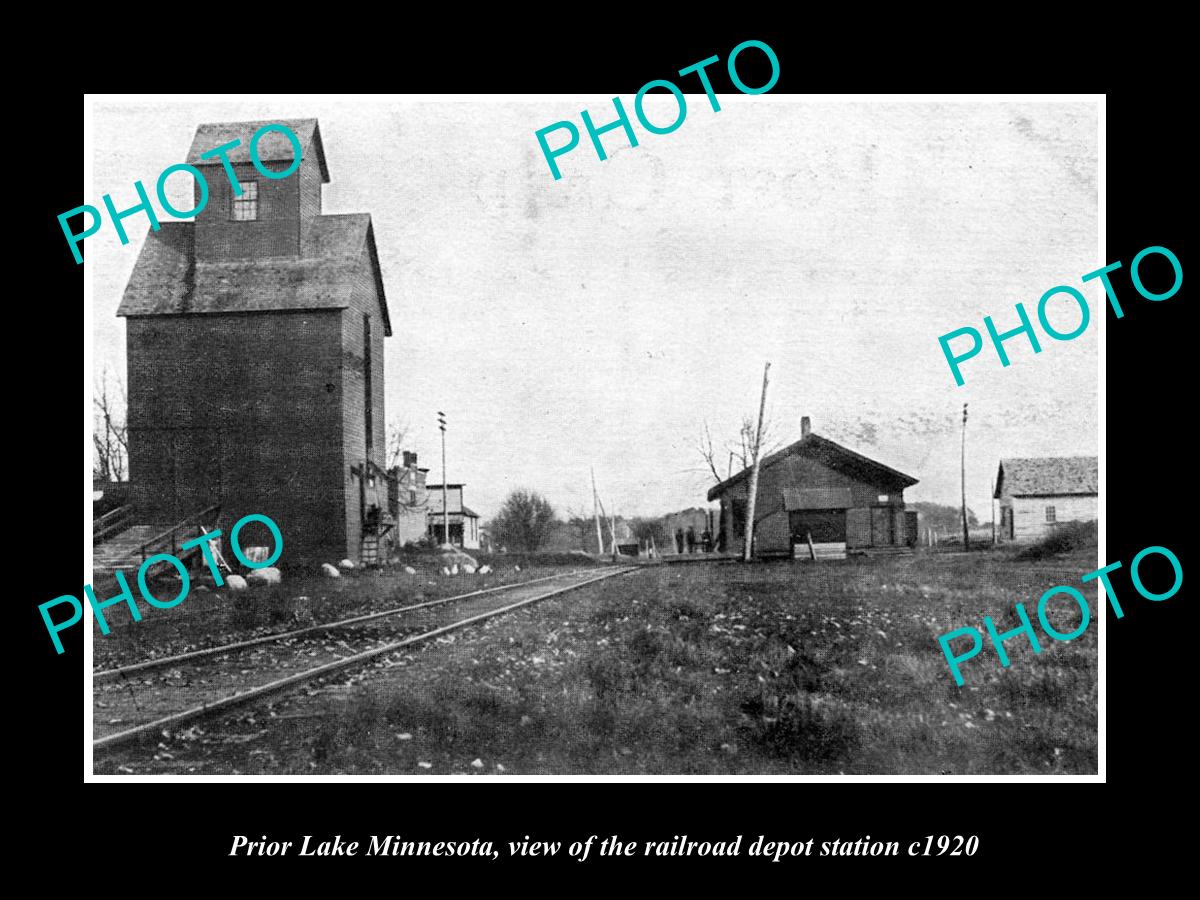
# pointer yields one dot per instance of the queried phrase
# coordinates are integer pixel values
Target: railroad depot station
(816, 493)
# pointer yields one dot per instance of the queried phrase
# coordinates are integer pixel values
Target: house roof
(167, 279)
(434, 502)
(464, 512)
(1047, 476)
(832, 454)
(274, 146)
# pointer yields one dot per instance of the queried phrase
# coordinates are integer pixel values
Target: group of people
(686, 542)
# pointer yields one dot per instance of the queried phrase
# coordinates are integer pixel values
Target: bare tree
(582, 529)
(110, 435)
(397, 434)
(739, 450)
(709, 454)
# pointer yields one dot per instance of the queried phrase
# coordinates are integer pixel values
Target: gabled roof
(830, 453)
(274, 146)
(167, 280)
(1047, 476)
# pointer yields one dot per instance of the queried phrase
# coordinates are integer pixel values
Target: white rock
(484, 570)
(516, 568)
(236, 582)
(268, 575)
(470, 570)
(454, 569)
(445, 570)
(346, 564)
(409, 570)
(330, 571)
(477, 763)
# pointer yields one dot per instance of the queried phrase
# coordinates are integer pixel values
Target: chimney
(805, 427)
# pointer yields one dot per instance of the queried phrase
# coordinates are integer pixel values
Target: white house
(464, 522)
(1036, 495)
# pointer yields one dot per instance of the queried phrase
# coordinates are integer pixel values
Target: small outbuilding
(1038, 494)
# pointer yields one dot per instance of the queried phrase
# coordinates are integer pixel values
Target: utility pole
(747, 551)
(445, 506)
(966, 534)
(596, 513)
(612, 533)
(992, 501)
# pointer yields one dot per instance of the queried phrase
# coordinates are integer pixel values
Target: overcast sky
(602, 319)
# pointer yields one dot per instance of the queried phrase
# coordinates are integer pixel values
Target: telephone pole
(747, 551)
(966, 534)
(596, 513)
(445, 506)
(992, 501)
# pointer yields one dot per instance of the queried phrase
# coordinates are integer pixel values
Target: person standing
(691, 539)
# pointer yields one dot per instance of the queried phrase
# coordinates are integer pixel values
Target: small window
(1050, 515)
(412, 498)
(245, 207)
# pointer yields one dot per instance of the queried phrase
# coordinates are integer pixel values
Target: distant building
(820, 488)
(255, 353)
(408, 501)
(698, 519)
(464, 522)
(1038, 494)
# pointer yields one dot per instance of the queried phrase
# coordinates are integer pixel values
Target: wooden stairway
(124, 550)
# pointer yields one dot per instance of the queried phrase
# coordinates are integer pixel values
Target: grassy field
(774, 668)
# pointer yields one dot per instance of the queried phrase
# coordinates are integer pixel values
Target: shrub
(1063, 539)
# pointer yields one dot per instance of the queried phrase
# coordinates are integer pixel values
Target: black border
(1147, 499)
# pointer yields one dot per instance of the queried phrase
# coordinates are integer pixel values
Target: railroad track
(128, 706)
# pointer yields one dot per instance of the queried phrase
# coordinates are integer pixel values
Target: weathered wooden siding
(1029, 522)
(799, 478)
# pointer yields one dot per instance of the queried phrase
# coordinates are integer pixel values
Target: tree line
(526, 522)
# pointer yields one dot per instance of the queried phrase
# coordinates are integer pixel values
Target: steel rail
(279, 684)
(120, 672)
